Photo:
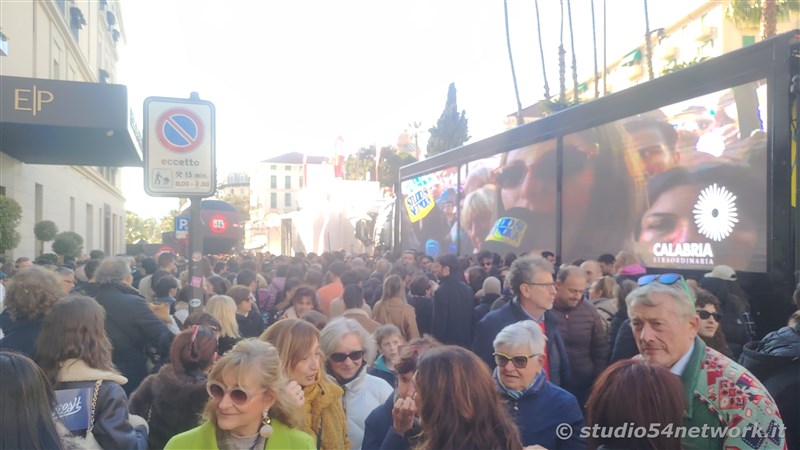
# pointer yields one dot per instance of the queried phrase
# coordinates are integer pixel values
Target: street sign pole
(179, 161)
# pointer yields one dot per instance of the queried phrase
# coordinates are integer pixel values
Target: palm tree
(511, 60)
(762, 14)
(541, 52)
(594, 47)
(648, 46)
(562, 65)
(572, 46)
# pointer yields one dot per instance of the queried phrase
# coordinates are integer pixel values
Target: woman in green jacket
(249, 407)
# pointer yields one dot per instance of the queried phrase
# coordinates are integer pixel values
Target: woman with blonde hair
(29, 296)
(223, 308)
(393, 308)
(479, 213)
(298, 343)
(250, 407)
(74, 352)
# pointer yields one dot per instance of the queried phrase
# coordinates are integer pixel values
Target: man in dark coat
(131, 325)
(581, 327)
(531, 281)
(452, 304)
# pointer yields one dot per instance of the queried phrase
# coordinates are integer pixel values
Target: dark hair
(164, 284)
(315, 278)
(193, 349)
(245, 277)
(451, 261)
(166, 258)
(667, 132)
(282, 270)
(484, 254)
(731, 305)
(315, 318)
(351, 277)
(149, 265)
(157, 275)
(91, 267)
(220, 284)
(337, 268)
(607, 258)
(460, 405)
(75, 329)
(239, 293)
(97, 254)
(546, 254)
(633, 392)
(353, 296)
(420, 285)
(717, 341)
(510, 257)
(625, 288)
(203, 319)
(28, 402)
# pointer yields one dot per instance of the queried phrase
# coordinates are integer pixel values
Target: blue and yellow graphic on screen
(508, 230)
(419, 197)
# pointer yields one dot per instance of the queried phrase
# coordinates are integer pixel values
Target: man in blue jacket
(531, 281)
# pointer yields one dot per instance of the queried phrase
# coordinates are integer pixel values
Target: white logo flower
(715, 212)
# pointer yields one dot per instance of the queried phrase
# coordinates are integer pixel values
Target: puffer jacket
(361, 395)
(172, 402)
(775, 361)
(587, 345)
(114, 427)
(399, 313)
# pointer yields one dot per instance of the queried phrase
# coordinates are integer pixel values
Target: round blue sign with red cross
(179, 130)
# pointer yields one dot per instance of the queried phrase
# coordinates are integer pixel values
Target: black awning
(67, 123)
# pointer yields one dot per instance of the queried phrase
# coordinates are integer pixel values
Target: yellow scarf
(324, 415)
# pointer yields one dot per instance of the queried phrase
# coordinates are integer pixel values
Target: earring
(266, 429)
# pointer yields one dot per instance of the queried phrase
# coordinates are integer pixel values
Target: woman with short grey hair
(348, 349)
(539, 407)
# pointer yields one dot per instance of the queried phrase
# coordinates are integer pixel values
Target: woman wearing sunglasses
(602, 196)
(173, 398)
(537, 406)
(249, 407)
(298, 343)
(348, 349)
(707, 307)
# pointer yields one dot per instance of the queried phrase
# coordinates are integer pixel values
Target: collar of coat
(355, 312)
(78, 370)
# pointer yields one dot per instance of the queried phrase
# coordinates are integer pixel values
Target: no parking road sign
(179, 153)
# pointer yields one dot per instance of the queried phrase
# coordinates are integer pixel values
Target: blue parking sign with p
(182, 224)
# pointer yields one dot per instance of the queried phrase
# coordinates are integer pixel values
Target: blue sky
(294, 75)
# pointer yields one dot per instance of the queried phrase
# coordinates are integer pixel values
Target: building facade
(74, 40)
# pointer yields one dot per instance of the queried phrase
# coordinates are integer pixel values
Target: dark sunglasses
(341, 357)
(705, 315)
(238, 395)
(519, 361)
(512, 175)
(667, 279)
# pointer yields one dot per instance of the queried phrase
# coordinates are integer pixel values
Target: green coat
(205, 437)
(722, 395)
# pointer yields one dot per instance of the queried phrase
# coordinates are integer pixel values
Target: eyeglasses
(519, 361)
(341, 357)
(512, 175)
(705, 315)
(486, 264)
(667, 279)
(238, 395)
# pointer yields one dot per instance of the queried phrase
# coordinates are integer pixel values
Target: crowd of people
(339, 351)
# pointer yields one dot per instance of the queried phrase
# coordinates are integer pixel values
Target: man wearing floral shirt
(727, 407)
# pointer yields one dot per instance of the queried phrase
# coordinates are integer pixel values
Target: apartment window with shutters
(273, 200)
(273, 181)
(288, 182)
(287, 200)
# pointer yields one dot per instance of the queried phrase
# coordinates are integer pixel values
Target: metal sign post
(179, 161)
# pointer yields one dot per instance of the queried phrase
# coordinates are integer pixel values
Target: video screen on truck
(682, 186)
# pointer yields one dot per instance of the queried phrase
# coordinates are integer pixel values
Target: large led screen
(429, 213)
(478, 203)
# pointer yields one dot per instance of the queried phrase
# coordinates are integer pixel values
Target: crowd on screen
(399, 351)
